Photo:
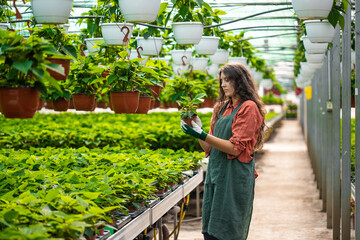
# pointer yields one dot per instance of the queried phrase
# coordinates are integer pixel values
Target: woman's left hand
(195, 131)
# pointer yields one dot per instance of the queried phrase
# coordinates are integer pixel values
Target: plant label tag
(356, 91)
(329, 106)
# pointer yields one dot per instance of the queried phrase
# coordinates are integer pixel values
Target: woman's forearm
(204, 145)
(220, 144)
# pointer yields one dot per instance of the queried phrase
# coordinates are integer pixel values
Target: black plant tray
(153, 202)
(165, 194)
(136, 213)
(123, 221)
(104, 236)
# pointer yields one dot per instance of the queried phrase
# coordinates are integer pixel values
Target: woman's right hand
(198, 121)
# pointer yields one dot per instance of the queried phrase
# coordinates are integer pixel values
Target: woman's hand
(195, 131)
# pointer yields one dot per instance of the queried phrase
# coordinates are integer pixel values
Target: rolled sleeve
(245, 130)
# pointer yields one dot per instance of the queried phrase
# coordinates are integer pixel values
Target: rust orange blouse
(245, 129)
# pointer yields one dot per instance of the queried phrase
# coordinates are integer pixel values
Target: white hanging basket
(213, 69)
(316, 65)
(181, 57)
(220, 57)
(151, 46)
(166, 59)
(199, 64)
(312, 9)
(117, 33)
(314, 47)
(207, 45)
(186, 33)
(90, 43)
(134, 54)
(319, 31)
(314, 58)
(4, 26)
(66, 27)
(51, 11)
(140, 10)
(241, 60)
(267, 84)
(180, 69)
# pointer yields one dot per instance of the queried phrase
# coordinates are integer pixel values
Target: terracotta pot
(110, 104)
(95, 106)
(101, 104)
(155, 90)
(41, 104)
(49, 105)
(144, 105)
(157, 104)
(152, 103)
(71, 105)
(61, 104)
(83, 102)
(188, 120)
(63, 62)
(19, 102)
(125, 102)
(208, 103)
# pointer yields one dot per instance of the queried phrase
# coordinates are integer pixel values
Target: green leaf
(41, 87)
(200, 3)
(10, 216)
(19, 173)
(24, 66)
(52, 194)
(183, 11)
(163, 7)
(333, 17)
(70, 50)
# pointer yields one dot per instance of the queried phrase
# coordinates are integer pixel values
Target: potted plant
(314, 47)
(59, 9)
(60, 99)
(188, 107)
(5, 15)
(92, 33)
(23, 73)
(126, 76)
(84, 81)
(63, 43)
(210, 40)
(187, 25)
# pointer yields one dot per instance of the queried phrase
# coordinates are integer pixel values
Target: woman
(237, 129)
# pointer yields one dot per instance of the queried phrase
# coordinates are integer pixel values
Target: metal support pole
(328, 140)
(346, 129)
(357, 120)
(335, 158)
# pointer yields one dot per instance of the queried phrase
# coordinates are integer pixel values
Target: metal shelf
(151, 215)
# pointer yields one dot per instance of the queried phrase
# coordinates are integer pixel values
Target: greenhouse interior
(146, 119)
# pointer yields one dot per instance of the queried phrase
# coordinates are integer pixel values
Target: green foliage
(62, 42)
(271, 99)
(179, 87)
(54, 93)
(98, 130)
(208, 84)
(93, 28)
(23, 63)
(191, 11)
(190, 104)
(85, 75)
(5, 11)
(63, 193)
(335, 16)
(127, 75)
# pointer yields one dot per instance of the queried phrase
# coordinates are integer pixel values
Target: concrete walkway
(287, 204)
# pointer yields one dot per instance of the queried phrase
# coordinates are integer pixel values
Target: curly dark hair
(245, 87)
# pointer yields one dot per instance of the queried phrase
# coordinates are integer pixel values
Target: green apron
(229, 189)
